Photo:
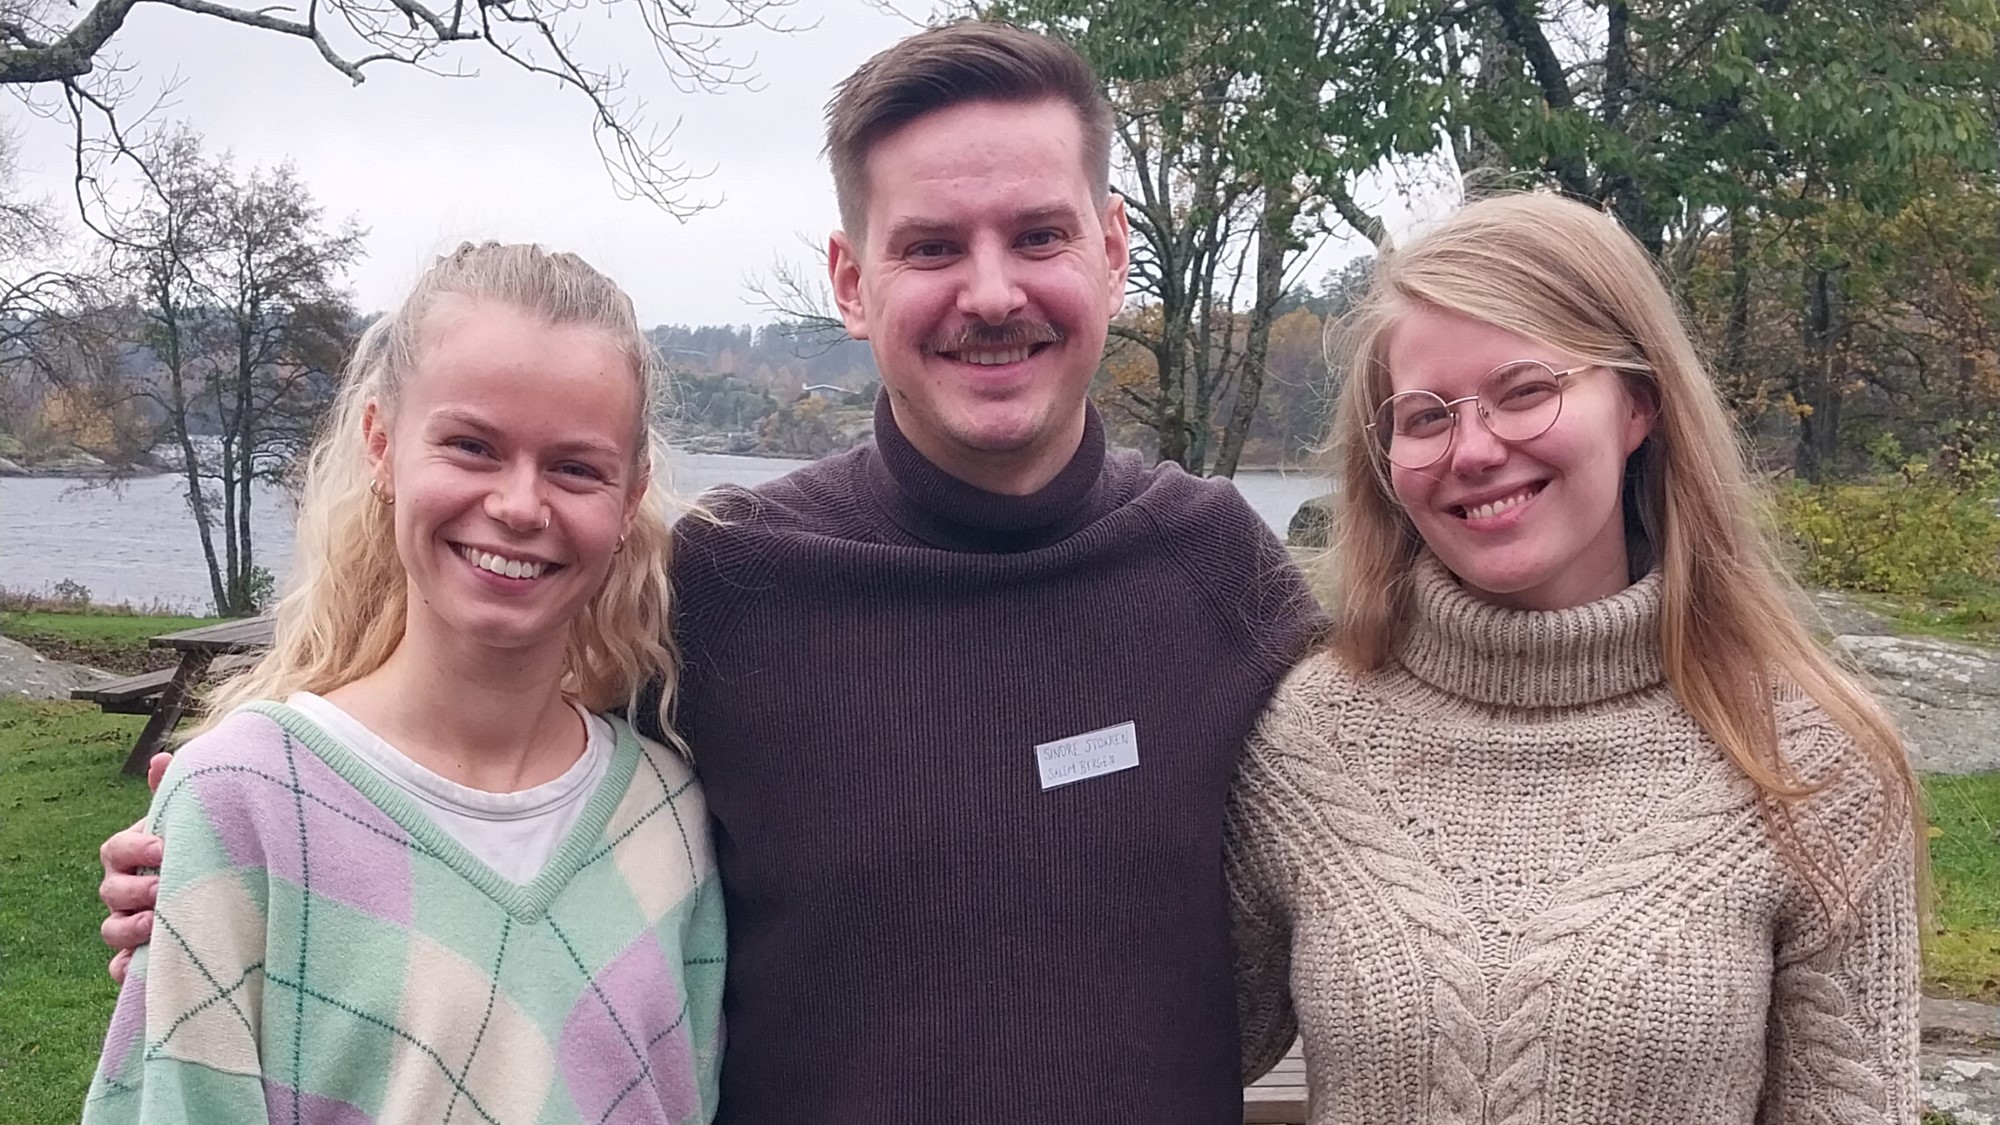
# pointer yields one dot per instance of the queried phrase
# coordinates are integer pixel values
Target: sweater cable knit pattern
(1507, 880)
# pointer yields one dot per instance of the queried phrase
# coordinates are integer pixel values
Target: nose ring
(545, 521)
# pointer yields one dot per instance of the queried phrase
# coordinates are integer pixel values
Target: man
(966, 700)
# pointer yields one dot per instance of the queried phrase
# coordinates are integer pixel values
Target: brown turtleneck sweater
(1507, 880)
(918, 930)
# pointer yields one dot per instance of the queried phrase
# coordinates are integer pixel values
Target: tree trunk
(197, 504)
(174, 357)
(246, 458)
(1200, 385)
(1736, 332)
(226, 476)
(1481, 161)
(1171, 420)
(1521, 22)
(1274, 242)
(1819, 426)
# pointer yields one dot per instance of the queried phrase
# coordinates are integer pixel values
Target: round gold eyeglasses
(1516, 402)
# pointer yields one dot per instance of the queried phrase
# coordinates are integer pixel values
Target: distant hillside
(744, 389)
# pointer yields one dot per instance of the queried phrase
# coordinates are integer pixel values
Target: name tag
(1083, 756)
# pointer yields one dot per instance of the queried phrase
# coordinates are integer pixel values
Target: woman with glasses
(1570, 820)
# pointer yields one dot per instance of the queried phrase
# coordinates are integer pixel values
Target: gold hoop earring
(375, 490)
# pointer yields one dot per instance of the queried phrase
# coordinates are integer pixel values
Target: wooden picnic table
(245, 634)
(1278, 1098)
(164, 694)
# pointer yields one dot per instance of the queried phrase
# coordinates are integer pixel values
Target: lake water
(136, 543)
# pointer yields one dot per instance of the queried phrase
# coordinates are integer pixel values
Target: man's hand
(131, 886)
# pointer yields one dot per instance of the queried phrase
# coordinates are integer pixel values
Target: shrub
(72, 593)
(1924, 530)
(262, 589)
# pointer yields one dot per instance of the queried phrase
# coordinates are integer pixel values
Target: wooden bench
(140, 694)
(166, 693)
(1278, 1098)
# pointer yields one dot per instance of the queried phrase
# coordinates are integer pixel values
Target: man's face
(984, 281)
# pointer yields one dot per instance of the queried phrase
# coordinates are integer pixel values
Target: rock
(811, 427)
(1949, 673)
(1968, 1091)
(1963, 1023)
(166, 458)
(1311, 523)
(74, 460)
(734, 441)
(68, 463)
(1945, 696)
(1959, 1064)
(1843, 616)
(25, 672)
(1964, 1069)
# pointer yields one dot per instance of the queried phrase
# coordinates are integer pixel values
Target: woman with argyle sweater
(416, 875)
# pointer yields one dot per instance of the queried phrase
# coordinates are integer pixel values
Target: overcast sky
(423, 161)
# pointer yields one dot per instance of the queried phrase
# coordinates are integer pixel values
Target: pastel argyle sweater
(325, 953)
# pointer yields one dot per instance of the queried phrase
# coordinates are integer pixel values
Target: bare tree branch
(32, 61)
(355, 36)
(802, 304)
(1367, 225)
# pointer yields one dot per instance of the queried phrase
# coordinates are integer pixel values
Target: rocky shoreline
(79, 465)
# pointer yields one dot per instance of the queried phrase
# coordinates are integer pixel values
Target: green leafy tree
(1754, 117)
(1684, 110)
(1915, 295)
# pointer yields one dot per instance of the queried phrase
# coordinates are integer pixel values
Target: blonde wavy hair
(1566, 276)
(344, 604)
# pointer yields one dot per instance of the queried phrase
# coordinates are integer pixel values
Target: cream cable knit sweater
(1507, 880)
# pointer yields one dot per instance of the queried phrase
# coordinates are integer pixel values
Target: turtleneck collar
(946, 512)
(1521, 658)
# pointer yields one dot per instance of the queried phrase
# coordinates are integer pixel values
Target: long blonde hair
(1568, 277)
(344, 605)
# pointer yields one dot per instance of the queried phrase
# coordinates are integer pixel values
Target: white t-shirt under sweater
(513, 833)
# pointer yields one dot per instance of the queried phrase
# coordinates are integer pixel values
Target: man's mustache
(997, 337)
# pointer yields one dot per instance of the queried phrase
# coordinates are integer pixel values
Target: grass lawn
(113, 641)
(61, 794)
(1964, 959)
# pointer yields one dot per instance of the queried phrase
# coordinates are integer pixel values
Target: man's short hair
(969, 61)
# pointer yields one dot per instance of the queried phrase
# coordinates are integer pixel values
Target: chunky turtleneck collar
(1520, 658)
(946, 512)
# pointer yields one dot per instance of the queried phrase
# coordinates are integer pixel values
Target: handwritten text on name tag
(1089, 755)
